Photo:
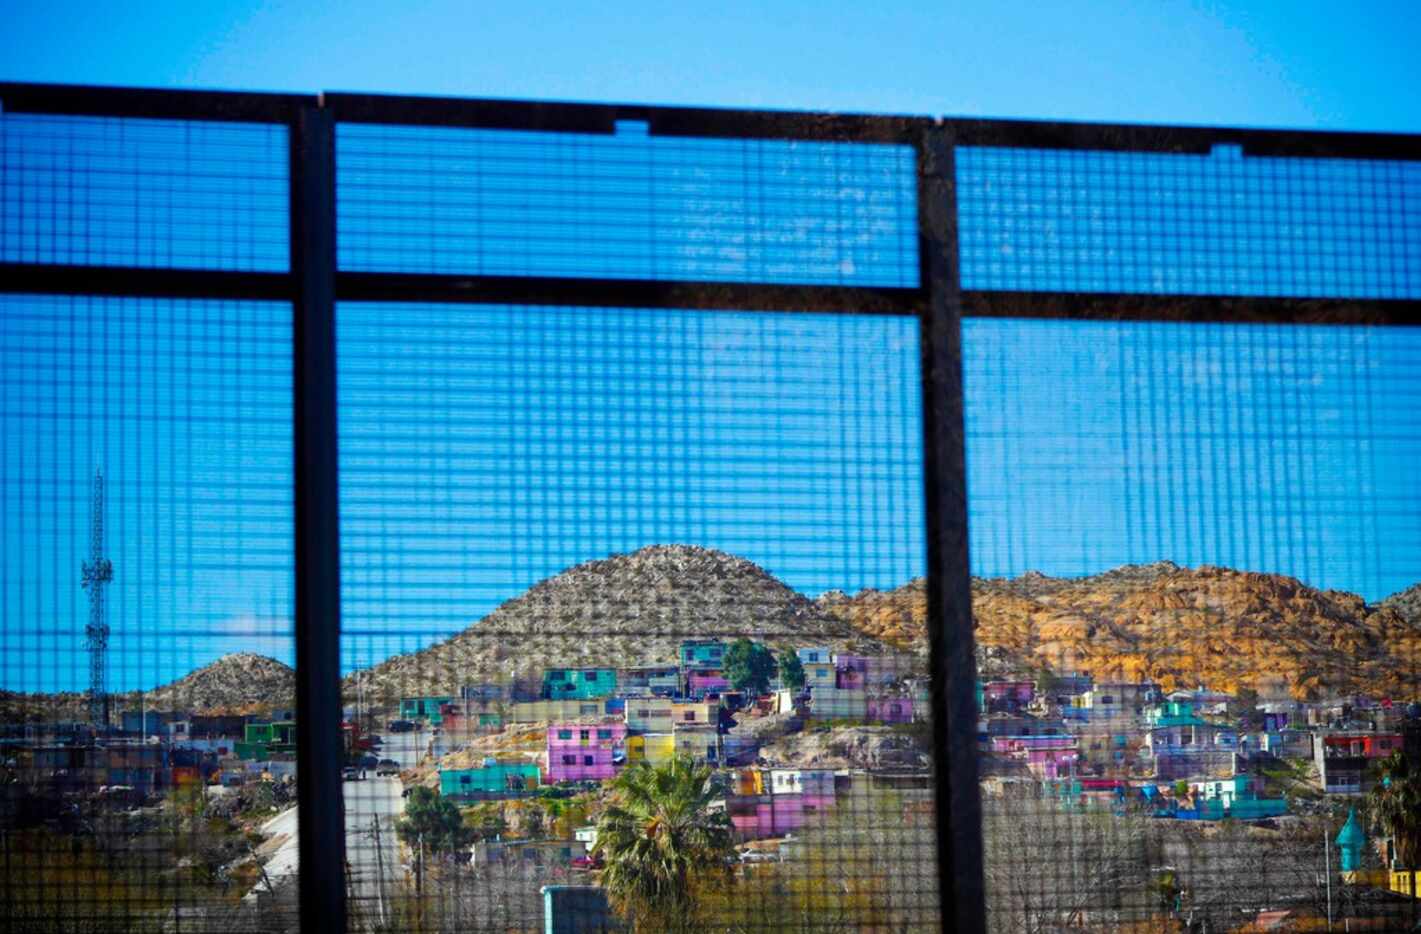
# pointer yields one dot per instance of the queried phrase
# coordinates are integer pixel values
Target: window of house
(569, 760)
(587, 760)
(564, 734)
(604, 734)
(589, 676)
(584, 734)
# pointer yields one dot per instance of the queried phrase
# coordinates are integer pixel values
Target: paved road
(371, 807)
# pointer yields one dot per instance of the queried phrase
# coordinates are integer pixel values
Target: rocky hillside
(232, 684)
(624, 610)
(1181, 626)
(1407, 603)
(237, 683)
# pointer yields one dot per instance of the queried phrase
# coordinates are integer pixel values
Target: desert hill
(1180, 626)
(238, 683)
(623, 610)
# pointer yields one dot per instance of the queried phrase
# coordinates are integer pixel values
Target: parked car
(401, 726)
(387, 767)
(369, 762)
(351, 774)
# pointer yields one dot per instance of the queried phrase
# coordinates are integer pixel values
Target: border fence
(315, 203)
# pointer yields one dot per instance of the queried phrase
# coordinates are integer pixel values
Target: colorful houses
(579, 683)
(1007, 696)
(771, 803)
(585, 750)
(490, 779)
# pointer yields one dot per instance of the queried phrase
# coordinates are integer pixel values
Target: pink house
(579, 752)
(758, 816)
(890, 709)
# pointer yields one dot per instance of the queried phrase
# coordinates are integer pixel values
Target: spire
(1350, 843)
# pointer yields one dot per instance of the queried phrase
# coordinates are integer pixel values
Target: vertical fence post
(320, 819)
(953, 664)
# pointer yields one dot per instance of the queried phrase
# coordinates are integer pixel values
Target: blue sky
(485, 449)
(1270, 63)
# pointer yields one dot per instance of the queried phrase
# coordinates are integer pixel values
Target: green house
(423, 708)
(491, 778)
(262, 739)
(579, 683)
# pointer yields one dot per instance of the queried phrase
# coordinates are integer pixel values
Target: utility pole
(1327, 872)
(379, 871)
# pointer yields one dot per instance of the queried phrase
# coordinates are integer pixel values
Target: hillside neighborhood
(796, 733)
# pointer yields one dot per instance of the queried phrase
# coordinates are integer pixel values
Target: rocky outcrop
(879, 748)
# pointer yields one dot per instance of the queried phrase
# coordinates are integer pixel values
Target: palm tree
(1396, 807)
(658, 839)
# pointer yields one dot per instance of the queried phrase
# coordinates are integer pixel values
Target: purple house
(890, 710)
(1007, 695)
(701, 683)
(1046, 756)
(579, 752)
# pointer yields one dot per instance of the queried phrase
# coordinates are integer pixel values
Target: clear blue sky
(484, 450)
(1272, 63)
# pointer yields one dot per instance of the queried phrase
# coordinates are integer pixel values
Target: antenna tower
(97, 572)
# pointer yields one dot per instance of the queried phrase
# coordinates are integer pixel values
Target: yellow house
(655, 748)
(1406, 882)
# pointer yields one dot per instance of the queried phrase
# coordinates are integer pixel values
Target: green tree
(1395, 801)
(749, 666)
(791, 670)
(433, 821)
(659, 841)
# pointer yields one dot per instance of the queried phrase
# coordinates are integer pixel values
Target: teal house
(702, 655)
(578, 909)
(492, 779)
(423, 708)
(579, 683)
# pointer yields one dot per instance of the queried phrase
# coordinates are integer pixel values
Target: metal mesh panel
(498, 202)
(1196, 550)
(168, 423)
(1168, 224)
(120, 191)
(556, 524)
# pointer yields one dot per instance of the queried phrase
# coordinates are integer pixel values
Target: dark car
(369, 762)
(387, 767)
(401, 726)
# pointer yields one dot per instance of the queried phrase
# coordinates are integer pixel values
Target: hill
(237, 683)
(623, 610)
(1179, 626)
